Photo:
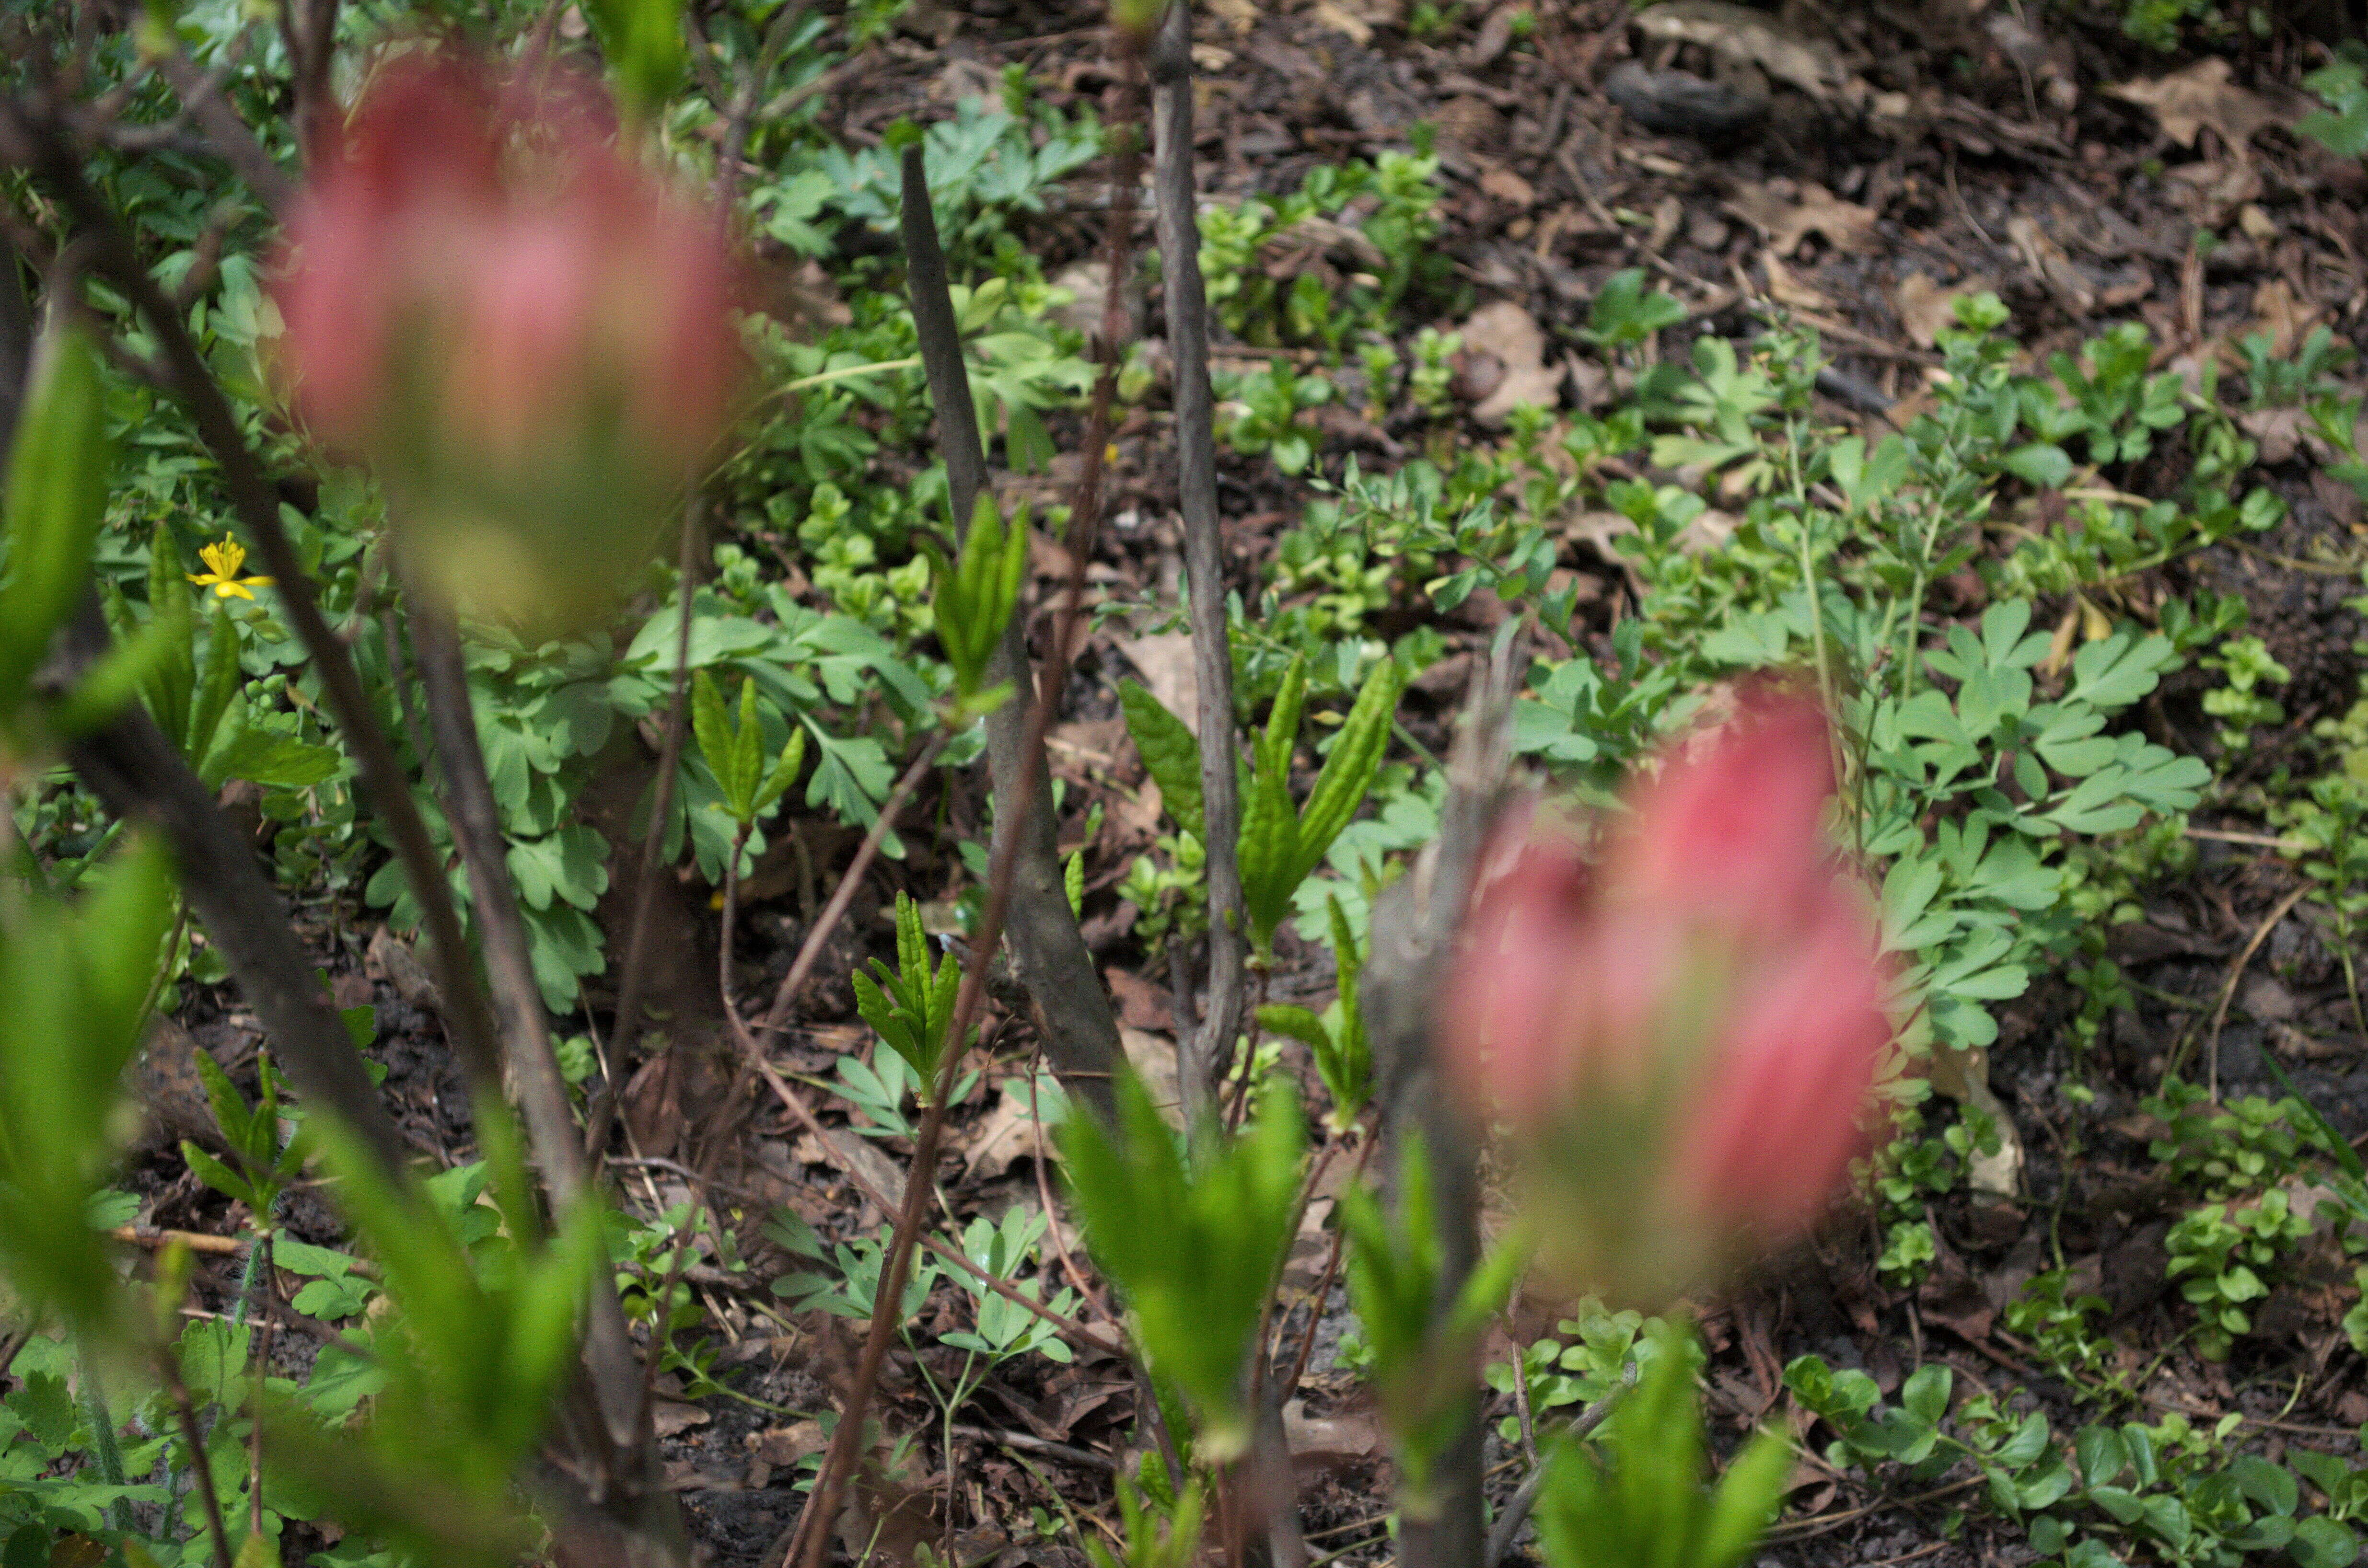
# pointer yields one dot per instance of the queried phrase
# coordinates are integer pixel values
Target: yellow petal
(227, 590)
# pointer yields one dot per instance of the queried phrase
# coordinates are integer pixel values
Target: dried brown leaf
(1926, 308)
(1741, 34)
(1786, 221)
(1511, 336)
(2186, 101)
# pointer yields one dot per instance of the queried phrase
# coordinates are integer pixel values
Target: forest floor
(1910, 151)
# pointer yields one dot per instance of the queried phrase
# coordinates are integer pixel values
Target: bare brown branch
(1202, 1055)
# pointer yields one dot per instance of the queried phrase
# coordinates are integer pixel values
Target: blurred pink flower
(1681, 1036)
(525, 331)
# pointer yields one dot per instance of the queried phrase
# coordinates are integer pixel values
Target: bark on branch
(1080, 1030)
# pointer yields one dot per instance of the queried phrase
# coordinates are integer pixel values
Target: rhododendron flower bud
(1682, 1032)
(525, 331)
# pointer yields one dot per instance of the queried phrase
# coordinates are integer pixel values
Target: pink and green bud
(526, 333)
(1681, 1030)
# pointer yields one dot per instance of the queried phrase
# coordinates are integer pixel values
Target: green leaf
(1746, 1499)
(275, 761)
(1349, 771)
(1926, 1395)
(58, 477)
(747, 757)
(2271, 1486)
(1346, 1067)
(1170, 754)
(216, 1174)
(643, 40)
(1195, 1248)
(712, 726)
(2101, 1455)
(911, 1007)
(2321, 1542)
(2111, 674)
(2042, 464)
(785, 772)
(1270, 842)
(213, 694)
(1296, 1023)
(171, 684)
(974, 596)
(230, 1112)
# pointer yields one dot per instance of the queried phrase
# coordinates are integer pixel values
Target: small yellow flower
(225, 559)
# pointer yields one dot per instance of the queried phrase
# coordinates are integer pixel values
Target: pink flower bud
(520, 327)
(1683, 1037)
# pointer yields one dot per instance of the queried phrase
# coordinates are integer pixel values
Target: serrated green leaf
(1170, 754)
(747, 755)
(216, 1174)
(1347, 1068)
(1349, 771)
(214, 692)
(230, 1109)
(711, 726)
(785, 772)
(1297, 1023)
(171, 685)
(912, 944)
(1281, 738)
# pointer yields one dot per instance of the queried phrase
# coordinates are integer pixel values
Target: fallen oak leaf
(2186, 101)
(1786, 221)
(1509, 335)
(1927, 309)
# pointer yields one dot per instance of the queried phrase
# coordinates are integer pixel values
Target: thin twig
(1516, 1508)
(625, 1031)
(309, 31)
(533, 1065)
(2236, 972)
(200, 1461)
(1413, 930)
(802, 968)
(1290, 1385)
(1204, 1052)
(477, 829)
(1016, 826)
(752, 1046)
(1077, 1276)
(255, 1431)
(1079, 1027)
(1066, 1328)
(233, 139)
(1028, 1443)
